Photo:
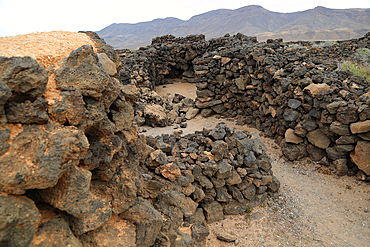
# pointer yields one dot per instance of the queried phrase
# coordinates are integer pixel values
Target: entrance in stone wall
(176, 81)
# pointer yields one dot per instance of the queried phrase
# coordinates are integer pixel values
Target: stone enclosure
(74, 170)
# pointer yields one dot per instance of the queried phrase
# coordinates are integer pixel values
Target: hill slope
(319, 23)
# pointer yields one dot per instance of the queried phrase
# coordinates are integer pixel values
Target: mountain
(319, 23)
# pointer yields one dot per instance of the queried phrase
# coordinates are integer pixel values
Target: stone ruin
(75, 171)
(293, 92)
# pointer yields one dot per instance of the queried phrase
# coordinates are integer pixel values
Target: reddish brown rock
(54, 230)
(360, 127)
(169, 171)
(115, 232)
(361, 156)
(317, 88)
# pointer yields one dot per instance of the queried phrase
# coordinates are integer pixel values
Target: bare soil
(311, 208)
(45, 47)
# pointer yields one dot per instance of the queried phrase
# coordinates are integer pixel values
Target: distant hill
(319, 23)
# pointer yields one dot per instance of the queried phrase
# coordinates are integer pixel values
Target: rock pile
(74, 171)
(204, 176)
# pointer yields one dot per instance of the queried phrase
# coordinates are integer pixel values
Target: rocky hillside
(315, 24)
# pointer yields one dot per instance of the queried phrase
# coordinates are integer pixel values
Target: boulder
(24, 76)
(82, 71)
(191, 113)
(122, 114)
(318, 138)
(347, 114)
(40, 156)
(155, 115)
(213, 212)
(71, 193)
(101, 151)
(54, 230)
(19, 219)
(98, 211)
(294, 104)
(70, 109)
(147, 219)
(115, 232)
(341, 166)
(97, 122)
(234, 178)
(291, 115)
(173, 198)
(361, 156)
(107, 64)
(315, 153)
(333, 107)
(226, 237)
(293, 151)
(27, 112)
(170, 171)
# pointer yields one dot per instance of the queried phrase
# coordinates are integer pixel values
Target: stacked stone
(206, 175)
(278, 87)
(295, 94)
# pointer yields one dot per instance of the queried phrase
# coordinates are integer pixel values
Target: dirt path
(311, 209)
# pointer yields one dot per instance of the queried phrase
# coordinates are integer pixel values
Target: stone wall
(293, 92)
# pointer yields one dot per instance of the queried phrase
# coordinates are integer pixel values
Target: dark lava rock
(39, 157)
(19, 219)
(24, 76)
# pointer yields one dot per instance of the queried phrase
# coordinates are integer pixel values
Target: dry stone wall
(293, 92)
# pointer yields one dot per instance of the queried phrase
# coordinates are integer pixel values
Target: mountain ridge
(320, 23)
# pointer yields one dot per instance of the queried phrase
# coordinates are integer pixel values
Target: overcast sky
(27, 16)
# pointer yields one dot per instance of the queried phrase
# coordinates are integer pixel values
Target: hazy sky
(27, 16)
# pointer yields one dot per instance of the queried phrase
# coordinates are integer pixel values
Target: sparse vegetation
(359, 64)
(359, 70)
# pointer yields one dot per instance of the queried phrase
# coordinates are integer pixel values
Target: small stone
(261, 240)
(224, 236)
(290, 137)
(341, 166)
(183, 125)
(340, 129)
(316, 88)
(360, 127)
(294, 104)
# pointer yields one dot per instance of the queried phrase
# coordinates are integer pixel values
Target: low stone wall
(206, 175)
(296, 95)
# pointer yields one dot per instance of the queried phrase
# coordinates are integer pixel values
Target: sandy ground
(311, 208)
(186, 89)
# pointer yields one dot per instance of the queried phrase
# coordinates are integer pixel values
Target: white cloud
(25, 16)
